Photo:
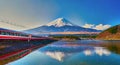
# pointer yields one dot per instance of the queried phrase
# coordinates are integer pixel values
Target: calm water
(71, 53)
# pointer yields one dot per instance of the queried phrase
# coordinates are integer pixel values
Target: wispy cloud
(97, 27)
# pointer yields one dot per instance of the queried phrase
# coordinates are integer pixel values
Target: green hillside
(112, 33)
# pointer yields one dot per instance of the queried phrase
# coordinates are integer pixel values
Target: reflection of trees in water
(113, 46)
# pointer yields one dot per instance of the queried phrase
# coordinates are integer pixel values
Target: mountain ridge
(60, 25)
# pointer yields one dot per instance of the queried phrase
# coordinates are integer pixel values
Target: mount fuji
(60, 25)
(60, 22)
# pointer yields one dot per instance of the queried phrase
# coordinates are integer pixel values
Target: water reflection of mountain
(63, 52)
(62, 42)
(65, 49)
(60, 53)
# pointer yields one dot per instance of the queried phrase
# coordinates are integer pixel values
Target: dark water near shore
(71, 53)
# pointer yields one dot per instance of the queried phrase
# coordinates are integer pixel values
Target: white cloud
(97, 27)
(88, 25)
(101, 27)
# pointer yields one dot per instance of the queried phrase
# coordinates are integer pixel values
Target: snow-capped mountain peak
(60, 22)
(60, 25)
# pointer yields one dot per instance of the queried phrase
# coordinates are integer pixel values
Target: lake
(77, 52)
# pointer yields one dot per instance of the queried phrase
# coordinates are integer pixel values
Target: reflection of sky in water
(80, 55)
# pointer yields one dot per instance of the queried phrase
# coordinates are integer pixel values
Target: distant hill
(60, 25)
(112, 33)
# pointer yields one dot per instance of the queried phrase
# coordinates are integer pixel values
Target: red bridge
(10, 34)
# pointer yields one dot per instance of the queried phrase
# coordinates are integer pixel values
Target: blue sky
(33, 13)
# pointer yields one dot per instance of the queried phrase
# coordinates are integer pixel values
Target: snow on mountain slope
(60, 25)
(60, 22)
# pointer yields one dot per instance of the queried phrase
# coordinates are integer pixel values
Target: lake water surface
(71, 53)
